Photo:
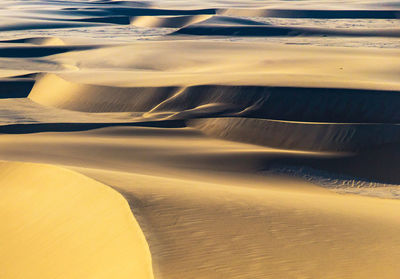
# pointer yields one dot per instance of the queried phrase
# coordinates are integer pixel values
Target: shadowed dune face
(40, 51)
(300, 135)
(199, 139)
(15, 88)
(315, 119)
(53, 91)
(37, 41)
(192, 226)
(280, 103)
(316, 13)
(239, 18)
(282, 31)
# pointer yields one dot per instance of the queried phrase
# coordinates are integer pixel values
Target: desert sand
(199, 139)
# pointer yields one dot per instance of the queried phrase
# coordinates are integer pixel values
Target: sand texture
(199, 139)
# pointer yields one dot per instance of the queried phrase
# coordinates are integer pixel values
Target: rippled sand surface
(199, 139)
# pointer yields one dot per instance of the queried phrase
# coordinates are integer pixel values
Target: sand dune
(186, 222)
(213, 30)
(301, 135)
(280, 103)
(227, 20)
(315, 13)
(199, 139)
(54, 227)
(107, 10)
(93, 98)
(241, 232)
(182, 21)
(195, 61)
(296, 103)
(140, 149)
(167, 22)
(46, 41)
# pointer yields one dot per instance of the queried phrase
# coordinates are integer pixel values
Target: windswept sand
(61, 224)
(208, 139)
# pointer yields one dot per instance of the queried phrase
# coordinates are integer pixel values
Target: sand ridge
(56, 226)
(199, 139)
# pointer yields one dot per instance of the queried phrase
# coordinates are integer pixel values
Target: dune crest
(167, 22)
(314, 136)
(201, 139)
(51, 90)
(61, 224)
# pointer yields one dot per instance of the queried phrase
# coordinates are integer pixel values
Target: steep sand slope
(280, 229)
(228, 129)
(54, 91)
(59, 224)
(167, 22)
(295, 135)
(206, 215)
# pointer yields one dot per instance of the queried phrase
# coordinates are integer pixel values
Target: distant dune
(283, 31)
(315, 13)
(199, 139)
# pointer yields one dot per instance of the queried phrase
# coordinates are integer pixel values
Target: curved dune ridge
(52, 90)
(206, 230)
(281, 103)
(300, 135)
(283, 117)
(167, 22)
(210, 139)
(72, 14)
(61, 224)
(233, 226)
(292, 103)
(182, 21)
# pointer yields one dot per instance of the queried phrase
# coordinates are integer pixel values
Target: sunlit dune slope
(197, 61)
(196, 225)
(238, 228)
(299, 118)
(248, 139)
(59, 224)
(167, 22)
(52, 90)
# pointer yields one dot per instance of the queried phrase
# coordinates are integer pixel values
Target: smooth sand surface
(59, 224)
(199, 139)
